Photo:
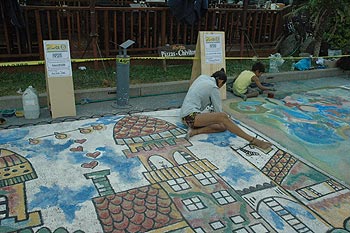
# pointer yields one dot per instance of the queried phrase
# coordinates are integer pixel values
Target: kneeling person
(241, 85)
(204, 92)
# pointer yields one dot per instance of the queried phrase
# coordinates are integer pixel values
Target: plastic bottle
(30, 103)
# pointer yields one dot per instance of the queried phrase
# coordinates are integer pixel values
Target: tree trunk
(319, 30)
(317, 48)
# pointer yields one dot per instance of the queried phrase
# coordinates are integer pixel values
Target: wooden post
(210, 55)
(243, 26)
(93, 33)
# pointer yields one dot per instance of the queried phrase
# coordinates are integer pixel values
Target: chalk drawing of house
(15, 170)
(184, 192)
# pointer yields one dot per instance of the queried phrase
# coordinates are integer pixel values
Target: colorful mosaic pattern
(138, 173)
(314, 125)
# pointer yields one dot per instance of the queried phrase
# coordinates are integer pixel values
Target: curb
(163, 88)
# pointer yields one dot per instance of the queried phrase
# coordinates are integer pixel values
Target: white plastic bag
(276, 61)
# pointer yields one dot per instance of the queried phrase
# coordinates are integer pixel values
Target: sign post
(210, 55)
(123, 75)
(59, 81)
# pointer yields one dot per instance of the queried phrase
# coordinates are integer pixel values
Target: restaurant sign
(177, 50)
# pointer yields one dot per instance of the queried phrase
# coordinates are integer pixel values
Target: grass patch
(11, 80)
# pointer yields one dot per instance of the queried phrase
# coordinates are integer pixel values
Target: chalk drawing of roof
(14, 169)
(139, 128)
(137, 210)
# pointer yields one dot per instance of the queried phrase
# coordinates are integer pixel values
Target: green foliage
(340, 38)
(12, 81)
(328, 17)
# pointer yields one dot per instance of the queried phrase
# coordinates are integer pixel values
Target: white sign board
(57, 58)
(213, 48)
(59, 78)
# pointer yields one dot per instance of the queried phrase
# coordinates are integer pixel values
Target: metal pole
(123, 80)
(123, 76)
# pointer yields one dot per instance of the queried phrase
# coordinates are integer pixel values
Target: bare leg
(212, 118)
(214, 128)
(252, 94)
(248, 95)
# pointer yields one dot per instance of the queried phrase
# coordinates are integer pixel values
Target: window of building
(223, 197)
(217, 225)
(178, 184)
(193, 204)
(238, 219)
(3, 207)
(206, 178)
(199, 230)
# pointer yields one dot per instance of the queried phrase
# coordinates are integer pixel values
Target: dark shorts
(189, 119)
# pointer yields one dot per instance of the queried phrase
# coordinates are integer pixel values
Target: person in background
(241, 85)
(204, 92)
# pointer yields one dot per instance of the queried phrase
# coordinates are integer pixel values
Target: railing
(149, 27)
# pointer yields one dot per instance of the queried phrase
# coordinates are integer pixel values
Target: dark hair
(258, 67)
(220, 75)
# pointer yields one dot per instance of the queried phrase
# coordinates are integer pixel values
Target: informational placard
(213, 48)
(57, 58)
(59, 80)
(209, 56)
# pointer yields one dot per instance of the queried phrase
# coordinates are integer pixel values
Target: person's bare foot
(261, 144)
(189, 134)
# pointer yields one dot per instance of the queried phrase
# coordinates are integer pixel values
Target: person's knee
(223, 118)
(221, 127)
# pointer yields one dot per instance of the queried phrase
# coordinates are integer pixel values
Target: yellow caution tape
(22, 63)
(91, 59)
(123, 60)
(127, 60)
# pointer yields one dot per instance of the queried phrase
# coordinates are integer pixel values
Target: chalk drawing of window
(206, 178)
(261, 228)
(238, 219)
(193, 204)
(3, 207)
(179, 184)
(199, 230)
(216, 225)
(241, 230)
(182, 157)
(157, 162)
(223, 197)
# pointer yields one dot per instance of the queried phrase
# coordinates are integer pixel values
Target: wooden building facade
(97, 30)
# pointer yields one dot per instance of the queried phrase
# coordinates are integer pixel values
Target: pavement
(129, 168)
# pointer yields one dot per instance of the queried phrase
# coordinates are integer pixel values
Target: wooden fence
(149, 27)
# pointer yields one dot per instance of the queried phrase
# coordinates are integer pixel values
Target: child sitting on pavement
(241, 85)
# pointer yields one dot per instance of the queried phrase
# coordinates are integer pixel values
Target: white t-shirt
(202, 93)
